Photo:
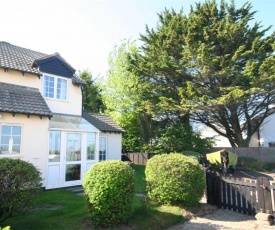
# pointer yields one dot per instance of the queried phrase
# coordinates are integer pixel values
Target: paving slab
(222, 219)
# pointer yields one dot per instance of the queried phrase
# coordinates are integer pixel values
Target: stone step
(76, 189)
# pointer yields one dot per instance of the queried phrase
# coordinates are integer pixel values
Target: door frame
(58, 169)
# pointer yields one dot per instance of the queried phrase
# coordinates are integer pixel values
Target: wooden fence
(266, 154)
(137, 158)
(245, 196)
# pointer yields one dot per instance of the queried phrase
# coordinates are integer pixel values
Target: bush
(193, 154)
(20, 182)
(174, 179)
(5, 228)
(255, 164)
(109, 189)
(176, 138)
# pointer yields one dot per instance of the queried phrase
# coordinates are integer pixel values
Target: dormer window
(55, 87)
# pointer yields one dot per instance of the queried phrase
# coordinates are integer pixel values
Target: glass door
(73, 158)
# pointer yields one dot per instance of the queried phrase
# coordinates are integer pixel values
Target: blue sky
(85, 31)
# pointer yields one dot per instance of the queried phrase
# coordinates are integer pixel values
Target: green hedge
(20, 181)
(109, 189)
(174, 179)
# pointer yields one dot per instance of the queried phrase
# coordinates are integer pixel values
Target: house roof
(18, 58)
(103, 122)
(24, 60)
(22, 100)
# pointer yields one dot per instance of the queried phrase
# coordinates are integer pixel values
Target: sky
(84, 32)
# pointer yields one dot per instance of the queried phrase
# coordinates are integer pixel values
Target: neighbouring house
(264, 137)
(41, 118)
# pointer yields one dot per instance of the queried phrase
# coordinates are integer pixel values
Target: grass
(62, 209)
(140, 184)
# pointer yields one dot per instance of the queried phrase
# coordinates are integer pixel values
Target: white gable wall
(266, 134)
(34, 139)
(114, 145)
(220, 141)
(267, 131)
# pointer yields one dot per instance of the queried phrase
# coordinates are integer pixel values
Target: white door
(71, 154)
(73, 159)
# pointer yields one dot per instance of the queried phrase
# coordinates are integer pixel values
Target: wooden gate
(245, 196)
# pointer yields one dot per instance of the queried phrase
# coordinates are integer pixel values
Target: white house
(264, 137)
(41, 118)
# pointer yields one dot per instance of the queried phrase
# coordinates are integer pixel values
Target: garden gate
(245, 196)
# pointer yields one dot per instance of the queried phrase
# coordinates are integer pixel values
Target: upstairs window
(10, 139)
(55, 87)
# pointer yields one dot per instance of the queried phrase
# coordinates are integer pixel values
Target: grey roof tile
(18, 58)
(22, 100)
(22, 59)
(103, 122)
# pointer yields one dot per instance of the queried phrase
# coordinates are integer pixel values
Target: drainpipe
(259, 137)
(81, 101)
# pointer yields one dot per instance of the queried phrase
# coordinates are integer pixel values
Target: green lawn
(62, 209)
(140, 185)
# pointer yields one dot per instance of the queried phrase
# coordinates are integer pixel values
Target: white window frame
(11, 141)
(87, 146)
(106, 148)
(56, 78)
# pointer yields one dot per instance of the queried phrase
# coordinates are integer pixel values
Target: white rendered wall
(220, 141)
(267, 131)
(34, 139)
(114, 145)
(17, 78)
(73, 105)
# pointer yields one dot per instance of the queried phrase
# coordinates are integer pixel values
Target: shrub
(193, 154)
(20, 182)
(5, 228)
(174, 179)
(109, 189)
(255, 164)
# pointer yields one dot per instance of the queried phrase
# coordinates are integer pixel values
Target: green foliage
(212, 66)
(92, 99)
(227, 57)
(178, 137)
(193, 154)
(123, 95)
(255, 164)
(109, 189)
(5, 228)
(174, 179)
(20, 182)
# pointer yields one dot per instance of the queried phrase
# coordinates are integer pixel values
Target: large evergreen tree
(160, 65)
(213, 66)
(92, 99)
(231, 62)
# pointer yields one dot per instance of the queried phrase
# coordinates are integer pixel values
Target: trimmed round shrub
(174, 179)
(109, 189)
(20, 181)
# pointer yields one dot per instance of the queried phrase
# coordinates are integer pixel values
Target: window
(10, 139)
(55, 87)
(54, 146)
(102, 148)
(90, 146)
